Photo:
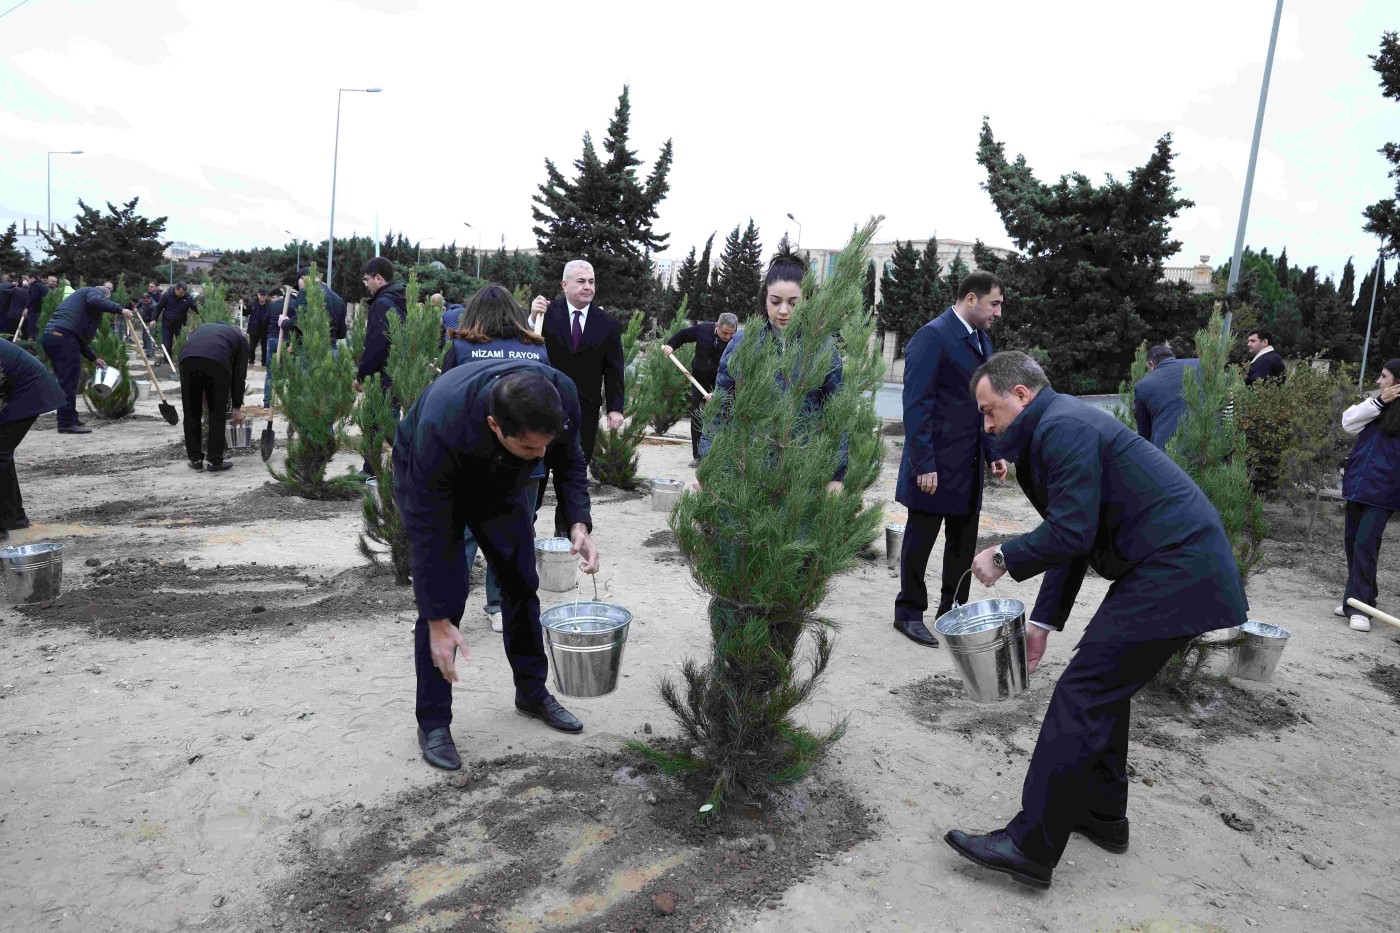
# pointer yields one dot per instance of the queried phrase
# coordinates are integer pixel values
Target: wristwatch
(998, 558)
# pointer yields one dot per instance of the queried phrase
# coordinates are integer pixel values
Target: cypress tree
(685, 283)
(899, 312)
(663, 392)
(702, 300)
(764, 537)
(868, 298)
(740, 272)
(1383, 217)
(929, 296)
(614, 460)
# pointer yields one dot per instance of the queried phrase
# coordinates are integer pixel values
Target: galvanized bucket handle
(966, 573)
(594, 577)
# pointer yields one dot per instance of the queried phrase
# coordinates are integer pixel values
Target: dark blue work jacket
(260, 316)
(175, 309)
(335, 310)
(1373, 469)
(1111, 500)
(391, 299)
(79, 313)
(449, 467)
(29, 389)
(1159, 400)
(465, 353)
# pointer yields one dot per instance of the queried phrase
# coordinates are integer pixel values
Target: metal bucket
(239, 435)
(585, 641)
(1257, 658)
(105, 381)
(140, 389)
(665, 493)
(33, 572)
(557, 568)
(987, 640)
(894, 545)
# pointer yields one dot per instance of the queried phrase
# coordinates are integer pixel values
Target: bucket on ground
(894, 544)
(585, 641)
(33, 572)
(665, 493)
(105, 381)
(556, 566)
(987, 641)
(1257, 657)
(239, 435)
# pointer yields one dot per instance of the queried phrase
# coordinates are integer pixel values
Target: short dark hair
(262, 291)
(1159, 353)
(1262, 334)
(379, 266)
(1007, 370)
(980, 283)
(527, 401)
(492, 314)
(182, 285)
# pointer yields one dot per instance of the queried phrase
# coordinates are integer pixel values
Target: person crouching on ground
(1371, 487)
(213, 370)
(463, 457)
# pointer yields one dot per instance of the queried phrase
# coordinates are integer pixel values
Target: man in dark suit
(940, 473)
(584, 342)
(38, 291)
(1111, 501)
(260, 314)
(1266, 362)
(710, 339)
(1158, 398)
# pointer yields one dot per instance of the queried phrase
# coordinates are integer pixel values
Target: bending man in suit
(584, 342)
(940, 473)
(1158, 398)
(1111, 501)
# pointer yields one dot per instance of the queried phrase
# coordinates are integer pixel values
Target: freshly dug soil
(579, 843)
(133, 597)
(666, 546)
(1386, 678)
(269, 502)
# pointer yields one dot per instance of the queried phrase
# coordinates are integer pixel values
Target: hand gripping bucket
(894, 545)
(33, 572)
(987, 640)
(556, 566)
(585, 639)
(1257, 657)
(665, 493)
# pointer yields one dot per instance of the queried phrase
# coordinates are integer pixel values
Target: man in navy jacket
(387, 297)
(940, 472)
(174, 307)
(1265, 362)
(66, 337)
(1159, 399)
(710, 340)
(260, 313)
(1111, 501)
(27, 391)
(38, 291)
(463, 456)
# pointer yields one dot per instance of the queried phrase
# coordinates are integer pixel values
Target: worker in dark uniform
(38, 291)
(27, 391)
(72, 326)
(463, 456)
(260, 314)
(213, 369)
(710, 339)
(174, 307)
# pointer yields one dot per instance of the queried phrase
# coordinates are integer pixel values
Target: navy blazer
(1112, 501)
(29, 389)
(942, 426)
(449, 467)
(1159, 400)
(599, 357)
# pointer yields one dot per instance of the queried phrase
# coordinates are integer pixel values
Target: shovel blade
(268, 438)
(168, 412)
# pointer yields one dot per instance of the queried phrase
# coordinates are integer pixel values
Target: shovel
(268, 436)
(693, 381)
(1373, 612)
(22, 316)
(155, 342)
(167, 410)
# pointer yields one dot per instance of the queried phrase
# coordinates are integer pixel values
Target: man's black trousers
(959, 547)
(11, 503)
(1080, 763)
(204, 381)
(508, 541)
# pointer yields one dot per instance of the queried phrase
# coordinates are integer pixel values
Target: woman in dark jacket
(1371, 487)
(27, 390)
(492, 327)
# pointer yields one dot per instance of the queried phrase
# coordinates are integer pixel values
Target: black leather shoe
(551, 714)
(996, 851)
(1106, 834)
(19, 525)
(439, 750)
(915, 630)
(196, 464)
(219, 467)
(74, 429)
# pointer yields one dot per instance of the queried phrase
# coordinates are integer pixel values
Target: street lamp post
(298, 239)
(1366, 347)
(799, 229)
(49, 185)
(478, 246)
(335, 164)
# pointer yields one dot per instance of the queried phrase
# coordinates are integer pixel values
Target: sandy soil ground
(213, 729)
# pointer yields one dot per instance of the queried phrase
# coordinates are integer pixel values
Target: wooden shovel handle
(149, 371)
(23, 314)
(1373, 612)
(693, 381)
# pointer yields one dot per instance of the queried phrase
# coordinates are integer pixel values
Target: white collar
(1261, 353)
(959, 316)
(572, 310)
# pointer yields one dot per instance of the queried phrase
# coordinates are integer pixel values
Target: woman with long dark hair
(1371, 487)
(492, 327)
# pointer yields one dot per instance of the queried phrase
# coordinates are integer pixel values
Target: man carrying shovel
(710, 341)
(463, 456)
(213, 370)
(66, 339)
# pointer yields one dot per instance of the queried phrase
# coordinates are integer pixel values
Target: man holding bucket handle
(66, 337)
(1112, 501)
(463, 456)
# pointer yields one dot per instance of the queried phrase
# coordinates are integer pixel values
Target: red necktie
(578, 329)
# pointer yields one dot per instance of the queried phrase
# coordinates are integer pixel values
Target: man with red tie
(584, 342)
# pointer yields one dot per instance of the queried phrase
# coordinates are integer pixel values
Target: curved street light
(478, 248)
(799, 229)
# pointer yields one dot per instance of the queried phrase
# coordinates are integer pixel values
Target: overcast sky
(222, 115)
